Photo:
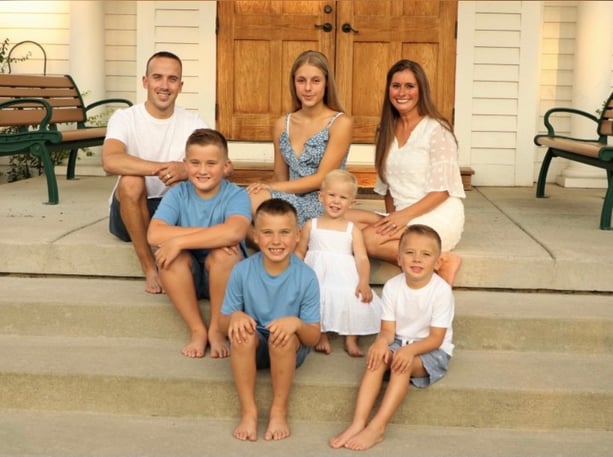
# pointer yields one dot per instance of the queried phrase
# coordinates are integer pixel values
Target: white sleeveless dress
(330, 254)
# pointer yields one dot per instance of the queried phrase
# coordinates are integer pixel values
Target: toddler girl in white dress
(334, 248)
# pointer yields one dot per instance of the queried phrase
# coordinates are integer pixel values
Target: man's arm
(117, 161)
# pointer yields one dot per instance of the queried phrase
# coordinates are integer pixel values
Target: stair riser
(162, 321)
(436, 406)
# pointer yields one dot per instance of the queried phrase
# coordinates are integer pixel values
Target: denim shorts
(116, 225)
(435, 363)
(262, 355)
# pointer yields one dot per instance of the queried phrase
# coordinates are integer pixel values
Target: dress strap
(314, 223)
(331, 121)
(349, 227)
(287, 123)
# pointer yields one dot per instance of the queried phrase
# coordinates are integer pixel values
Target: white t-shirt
(149, 138)
(416, 310)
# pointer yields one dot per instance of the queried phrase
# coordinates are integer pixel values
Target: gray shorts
(435, 363)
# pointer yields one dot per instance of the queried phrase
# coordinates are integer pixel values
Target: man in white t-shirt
(145, 147)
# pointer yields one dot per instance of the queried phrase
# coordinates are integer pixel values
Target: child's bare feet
(366, 439)
(450, 264)
(278, 428)
(341, 439)
(247, 428)
(323, 345)
(153, 285)
(352, 347)
(196, 346)
(219, 344)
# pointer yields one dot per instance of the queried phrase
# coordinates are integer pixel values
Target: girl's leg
(367, 395)
(352, 347)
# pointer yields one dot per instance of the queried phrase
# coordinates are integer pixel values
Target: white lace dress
(427, 162)
(330, 254)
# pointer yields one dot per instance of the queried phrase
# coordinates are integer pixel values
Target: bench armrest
(573, 111)
(106, 101)
(43, 124)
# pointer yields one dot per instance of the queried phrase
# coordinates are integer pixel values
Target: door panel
(259, 40)
(384, 32)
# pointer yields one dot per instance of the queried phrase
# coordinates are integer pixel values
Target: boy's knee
(282, 351)
(222, 259)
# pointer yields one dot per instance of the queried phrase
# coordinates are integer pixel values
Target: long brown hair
(317, 59)
(389, 114)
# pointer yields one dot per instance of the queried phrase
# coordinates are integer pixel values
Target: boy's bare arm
(430, 343)
(231, 232)
(284, 327)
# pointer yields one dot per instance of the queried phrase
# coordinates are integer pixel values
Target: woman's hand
(391, 224)
(255, 187)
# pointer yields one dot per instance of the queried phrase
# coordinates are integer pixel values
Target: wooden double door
(258, 40)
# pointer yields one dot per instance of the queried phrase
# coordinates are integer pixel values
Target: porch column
(87, 67)
(591, 83)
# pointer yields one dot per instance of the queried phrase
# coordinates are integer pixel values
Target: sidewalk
(511, 240)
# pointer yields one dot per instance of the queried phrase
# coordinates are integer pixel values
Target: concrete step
(60, 434)
(74, 306)
(511, 239)
(499, 389)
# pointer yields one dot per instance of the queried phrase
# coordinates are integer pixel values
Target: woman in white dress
(416, 158)
(334, 248)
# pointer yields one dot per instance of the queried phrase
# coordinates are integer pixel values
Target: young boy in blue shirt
(271, 315)
(199, 230)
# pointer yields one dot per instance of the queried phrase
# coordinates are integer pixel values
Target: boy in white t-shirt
(414, 343)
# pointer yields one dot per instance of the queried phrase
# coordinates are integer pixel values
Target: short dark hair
(276, 207)
(205, 137)
(420, 229)
(166, 54)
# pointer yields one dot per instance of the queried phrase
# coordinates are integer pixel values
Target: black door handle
(346, 27)
(327, 27)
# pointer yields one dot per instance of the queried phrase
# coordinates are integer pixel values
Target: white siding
(495, 96)
(188, 30)
(47, 23)
(120, 66)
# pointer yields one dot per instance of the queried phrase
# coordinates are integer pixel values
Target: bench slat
(16, 80)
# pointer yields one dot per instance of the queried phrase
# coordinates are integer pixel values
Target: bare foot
(352, 347)
(153, 285)
(323, 345)
(196, 346)
(450, 264)
(278, 427)
(366, 439)
(247, 428)
(341, 439)
(219, 344)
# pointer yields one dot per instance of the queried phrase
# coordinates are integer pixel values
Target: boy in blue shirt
(199, 230)
(271, 315)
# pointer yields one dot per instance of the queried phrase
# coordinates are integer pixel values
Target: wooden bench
(594, 152)
(32, 106)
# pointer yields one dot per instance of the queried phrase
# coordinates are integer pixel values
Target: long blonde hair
(317, 59)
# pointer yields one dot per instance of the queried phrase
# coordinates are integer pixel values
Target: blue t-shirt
(251, 289)
(181, 206)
